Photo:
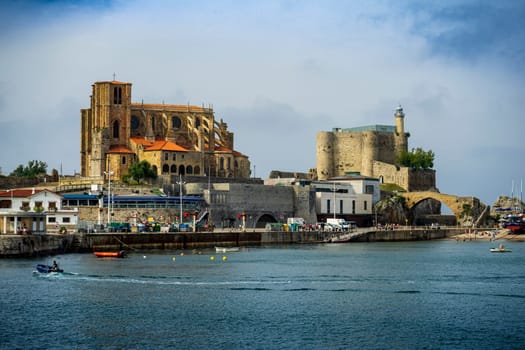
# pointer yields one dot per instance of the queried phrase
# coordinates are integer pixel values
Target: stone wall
(407, 178)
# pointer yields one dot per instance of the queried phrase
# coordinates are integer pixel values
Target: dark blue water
(414, 295)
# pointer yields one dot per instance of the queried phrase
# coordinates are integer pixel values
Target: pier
(53, 244)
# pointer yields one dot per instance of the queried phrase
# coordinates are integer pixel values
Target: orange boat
(120, 254)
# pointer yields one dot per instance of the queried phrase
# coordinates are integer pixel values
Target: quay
(54, 244)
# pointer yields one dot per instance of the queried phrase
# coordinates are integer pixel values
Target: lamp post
(180, 198)
(109, 173)
(334, 201)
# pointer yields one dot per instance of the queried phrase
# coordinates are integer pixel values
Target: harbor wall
(35, 245)
(52, 244)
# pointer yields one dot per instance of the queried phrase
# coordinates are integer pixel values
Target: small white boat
(226, 249)
(500, 249)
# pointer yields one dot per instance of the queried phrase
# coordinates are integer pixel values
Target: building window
(366, 205)
(221, 163)
(166, 156)
(189, 169)
(197, 170)
(176, 122)
(165, 169)
(52, 205)
(116, 129)
(341, 206)
(174, 169)
(182, 170)
(229, 160)
(353, 207)
(328, 206)
(117, 95)
(174, 157)
(66, 220)
(123, 160)
(51, 219)
(197, 122)
(369, 189)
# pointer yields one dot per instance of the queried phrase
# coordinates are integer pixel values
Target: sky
(277, 72)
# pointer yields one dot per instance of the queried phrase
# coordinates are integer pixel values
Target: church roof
(160, 145)
(119, 149)
(169, 107)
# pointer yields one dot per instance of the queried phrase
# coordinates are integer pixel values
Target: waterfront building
(25, 211)
(176, 140)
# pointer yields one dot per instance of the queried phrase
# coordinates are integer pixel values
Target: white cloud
(276, 72)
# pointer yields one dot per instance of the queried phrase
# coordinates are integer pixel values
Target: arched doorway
(265, 219)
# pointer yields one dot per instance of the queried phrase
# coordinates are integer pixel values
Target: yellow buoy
(174, 259)
(224, 258)
(212, 258)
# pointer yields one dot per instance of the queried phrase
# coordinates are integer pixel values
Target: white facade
(341, 199)
(30, 211)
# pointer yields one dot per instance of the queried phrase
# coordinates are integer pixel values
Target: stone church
(370, 151)
(174, 139)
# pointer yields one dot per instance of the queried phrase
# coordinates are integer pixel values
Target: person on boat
(54, 267)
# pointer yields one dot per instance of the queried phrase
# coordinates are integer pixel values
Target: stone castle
(174, 139)
(370, 151)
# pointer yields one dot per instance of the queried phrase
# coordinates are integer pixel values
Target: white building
(31, 211)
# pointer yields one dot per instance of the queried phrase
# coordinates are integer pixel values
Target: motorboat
(42, 268)
(500, 249)
(119, 254)
(226, 249)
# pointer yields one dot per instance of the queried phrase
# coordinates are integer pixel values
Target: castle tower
(400, 137)
(325, 155)
(369, 152)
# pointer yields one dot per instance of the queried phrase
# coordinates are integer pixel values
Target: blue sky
(278, 72)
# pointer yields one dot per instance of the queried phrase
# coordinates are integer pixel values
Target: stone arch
(264, 219)
(455, 203)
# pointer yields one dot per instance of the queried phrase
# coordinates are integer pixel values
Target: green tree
(141, 171)
(417, 159)
(32, 169)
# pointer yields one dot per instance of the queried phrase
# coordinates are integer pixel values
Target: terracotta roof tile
(160, 145)
(119, 149)
(22, 193)
(139, 140)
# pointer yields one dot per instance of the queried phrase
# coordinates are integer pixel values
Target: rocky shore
(499, 235)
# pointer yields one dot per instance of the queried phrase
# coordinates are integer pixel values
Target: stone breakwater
(53, 244)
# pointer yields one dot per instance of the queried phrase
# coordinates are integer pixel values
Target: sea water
(405, 295)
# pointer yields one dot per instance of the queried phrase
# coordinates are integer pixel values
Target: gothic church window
(117, 95)
(176, 123)
(116, 129)
(134, 122)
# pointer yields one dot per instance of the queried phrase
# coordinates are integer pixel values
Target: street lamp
(109, 173)
(180, 198)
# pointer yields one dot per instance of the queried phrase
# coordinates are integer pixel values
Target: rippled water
(411, 295)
